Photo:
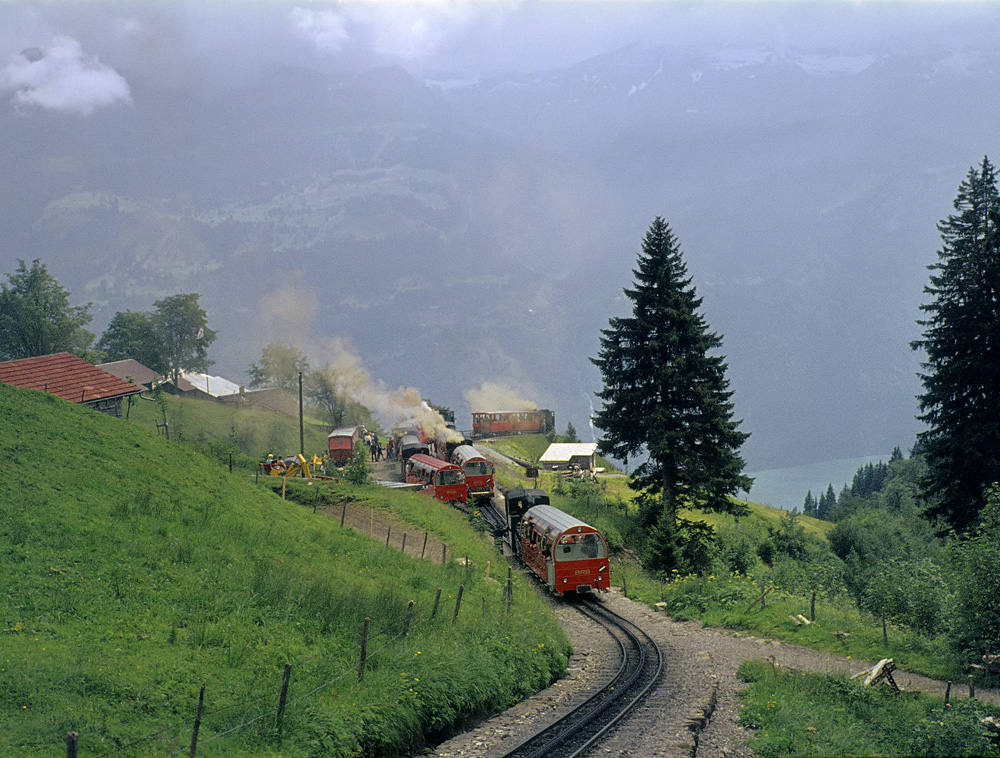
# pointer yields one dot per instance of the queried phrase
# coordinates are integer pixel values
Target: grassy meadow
(138, 569)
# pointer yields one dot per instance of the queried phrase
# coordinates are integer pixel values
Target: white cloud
(61, 77)
(325, 29)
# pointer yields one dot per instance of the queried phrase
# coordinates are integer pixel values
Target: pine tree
(809, 506)
(667, 400)
(827, 502)
(961, 340)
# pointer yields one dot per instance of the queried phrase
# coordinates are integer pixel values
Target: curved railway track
(640, 668)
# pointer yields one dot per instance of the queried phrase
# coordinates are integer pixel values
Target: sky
(79, 56)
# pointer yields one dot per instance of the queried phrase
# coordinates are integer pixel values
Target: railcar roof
(550, 516)
(344, 431)
(468, 451)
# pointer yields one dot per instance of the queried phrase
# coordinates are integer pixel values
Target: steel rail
(563, 734)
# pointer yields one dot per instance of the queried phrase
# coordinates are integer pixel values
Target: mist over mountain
(461, 224)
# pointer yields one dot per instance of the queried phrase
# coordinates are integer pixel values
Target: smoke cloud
(495, 397)
(345, 371)
(62, 77)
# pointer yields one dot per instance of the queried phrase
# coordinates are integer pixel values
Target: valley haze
(455, 192)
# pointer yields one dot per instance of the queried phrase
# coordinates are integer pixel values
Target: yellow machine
(297, 466)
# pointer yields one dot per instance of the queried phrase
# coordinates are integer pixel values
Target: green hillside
(137, 570)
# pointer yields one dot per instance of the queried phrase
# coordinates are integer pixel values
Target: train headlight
(565, 580)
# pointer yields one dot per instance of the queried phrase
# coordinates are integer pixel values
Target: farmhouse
(71, 378)
(564, 455)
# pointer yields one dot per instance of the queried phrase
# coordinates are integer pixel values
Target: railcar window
(450, 477)
(477, 468)
(584, 547)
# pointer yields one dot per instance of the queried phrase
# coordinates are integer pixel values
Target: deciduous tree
(130, 335)
(666, 400)
(279, 366)
(36, 317)
(181, 327)
(961, 339)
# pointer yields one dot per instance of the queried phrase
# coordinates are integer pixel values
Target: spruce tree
(961, 340)
(666, 400)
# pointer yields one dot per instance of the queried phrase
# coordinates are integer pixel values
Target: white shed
(563, 455)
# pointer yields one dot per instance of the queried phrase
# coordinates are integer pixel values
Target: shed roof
(564, 451)
(67, 376)
(215, 386)
(140, 374)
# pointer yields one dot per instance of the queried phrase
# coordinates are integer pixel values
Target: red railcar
(500, 423)
(342, 443)
(566, 554)
(478, 471)
(441, 479)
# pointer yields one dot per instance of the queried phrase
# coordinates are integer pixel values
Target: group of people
(378, 452)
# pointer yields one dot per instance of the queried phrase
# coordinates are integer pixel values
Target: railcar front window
(450, 477)
(583, 547)
(477, 468)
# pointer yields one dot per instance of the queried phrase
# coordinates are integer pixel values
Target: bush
(954, 731)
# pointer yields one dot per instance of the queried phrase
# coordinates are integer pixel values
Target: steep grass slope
(135, 571)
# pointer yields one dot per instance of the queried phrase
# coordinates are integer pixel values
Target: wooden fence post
(343, 512)
(762, 594)
(947, 694)
(509, 595)
(364, 650)
(406, 621)
(885, 633)
(437, 599)
(71, 740)
(403, 550)
(197, 723)
(812, 607)
(444, 553)
(972, 687)
(458, 601)
(282, 698)
(387, 535)
(425, 545)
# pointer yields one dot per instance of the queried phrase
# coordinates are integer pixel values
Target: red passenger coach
(565, 553)
(342, 443)
(500, 423)
(442, 480)
(478, 471)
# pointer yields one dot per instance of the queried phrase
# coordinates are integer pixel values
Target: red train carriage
(342, 443)
(499, 423)
(478, 471)
(565, 553)
(441, 479)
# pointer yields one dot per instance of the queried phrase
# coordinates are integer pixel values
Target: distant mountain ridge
(457, 234)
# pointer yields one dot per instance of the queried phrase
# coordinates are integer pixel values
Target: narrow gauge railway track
(640, 668)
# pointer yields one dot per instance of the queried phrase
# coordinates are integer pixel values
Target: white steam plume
(344, 369)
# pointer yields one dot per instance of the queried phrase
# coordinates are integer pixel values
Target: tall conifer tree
(961, 340)
(667, 400)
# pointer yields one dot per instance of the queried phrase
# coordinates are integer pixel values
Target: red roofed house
(71, 378)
